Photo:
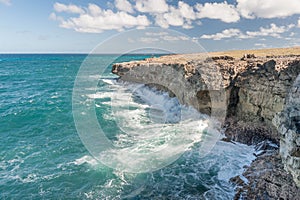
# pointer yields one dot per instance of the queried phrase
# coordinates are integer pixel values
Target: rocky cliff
(248, 95)
(288, 124)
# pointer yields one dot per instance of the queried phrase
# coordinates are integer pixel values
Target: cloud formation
(94, 19)
(227, 33)
(124, 5)
(268, 8)
(222, 11)
(181, 15)
(142, 13)
(71, 8)
(150, 6)
(271, 31)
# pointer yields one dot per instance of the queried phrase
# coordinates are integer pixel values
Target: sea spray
(155, 128)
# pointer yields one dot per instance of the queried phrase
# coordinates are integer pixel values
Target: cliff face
(247, 93)
(263, 88)
(194, 82)
(288, 124)
(259, 93)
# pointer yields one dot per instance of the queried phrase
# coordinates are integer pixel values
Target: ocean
(43, 157)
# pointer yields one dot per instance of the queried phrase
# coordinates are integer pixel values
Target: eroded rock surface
(250, 94)
(266, 179)
(249, 90)
(288, 124)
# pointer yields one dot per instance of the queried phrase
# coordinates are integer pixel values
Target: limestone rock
(288, 123)
(248, 94)
(267, 179)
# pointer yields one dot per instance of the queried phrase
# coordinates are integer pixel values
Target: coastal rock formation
(247, 93)
(267, 179)
(195, 82)
(288, 124)
(261, 91)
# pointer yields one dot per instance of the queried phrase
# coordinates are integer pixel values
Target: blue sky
(78, 26)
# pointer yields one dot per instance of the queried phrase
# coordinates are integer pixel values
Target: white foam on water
(54, 97)
(94, 77)
(184, 178)
(98, 95)
(181, 179)
(30, 178)
(86, 159)
(231, 159)
(13, 171)
(109, 81)
(155, 128)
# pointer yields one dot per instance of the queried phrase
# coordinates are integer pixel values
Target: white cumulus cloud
(222, 11)
(138, 13)
(271, 31)
(186, 10)
(161, 21)
(174, 17)
(151, 6)
(71, 8)
(94, 19)
(182, 15)
(124, 5)
(268, 8)
(227, 33)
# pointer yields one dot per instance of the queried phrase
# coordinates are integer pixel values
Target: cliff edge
(256, 98)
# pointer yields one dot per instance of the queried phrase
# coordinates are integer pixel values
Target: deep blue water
(42, 156)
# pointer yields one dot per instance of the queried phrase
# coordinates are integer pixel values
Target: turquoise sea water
(42, 156)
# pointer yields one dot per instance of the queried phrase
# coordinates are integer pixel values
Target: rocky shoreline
(267, 179)
(257, 99)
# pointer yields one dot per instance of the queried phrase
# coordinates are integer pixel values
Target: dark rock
(226, 139)
(237, 180)
(248, 56)
(267, 179)
(249, 133)
(222, 58)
